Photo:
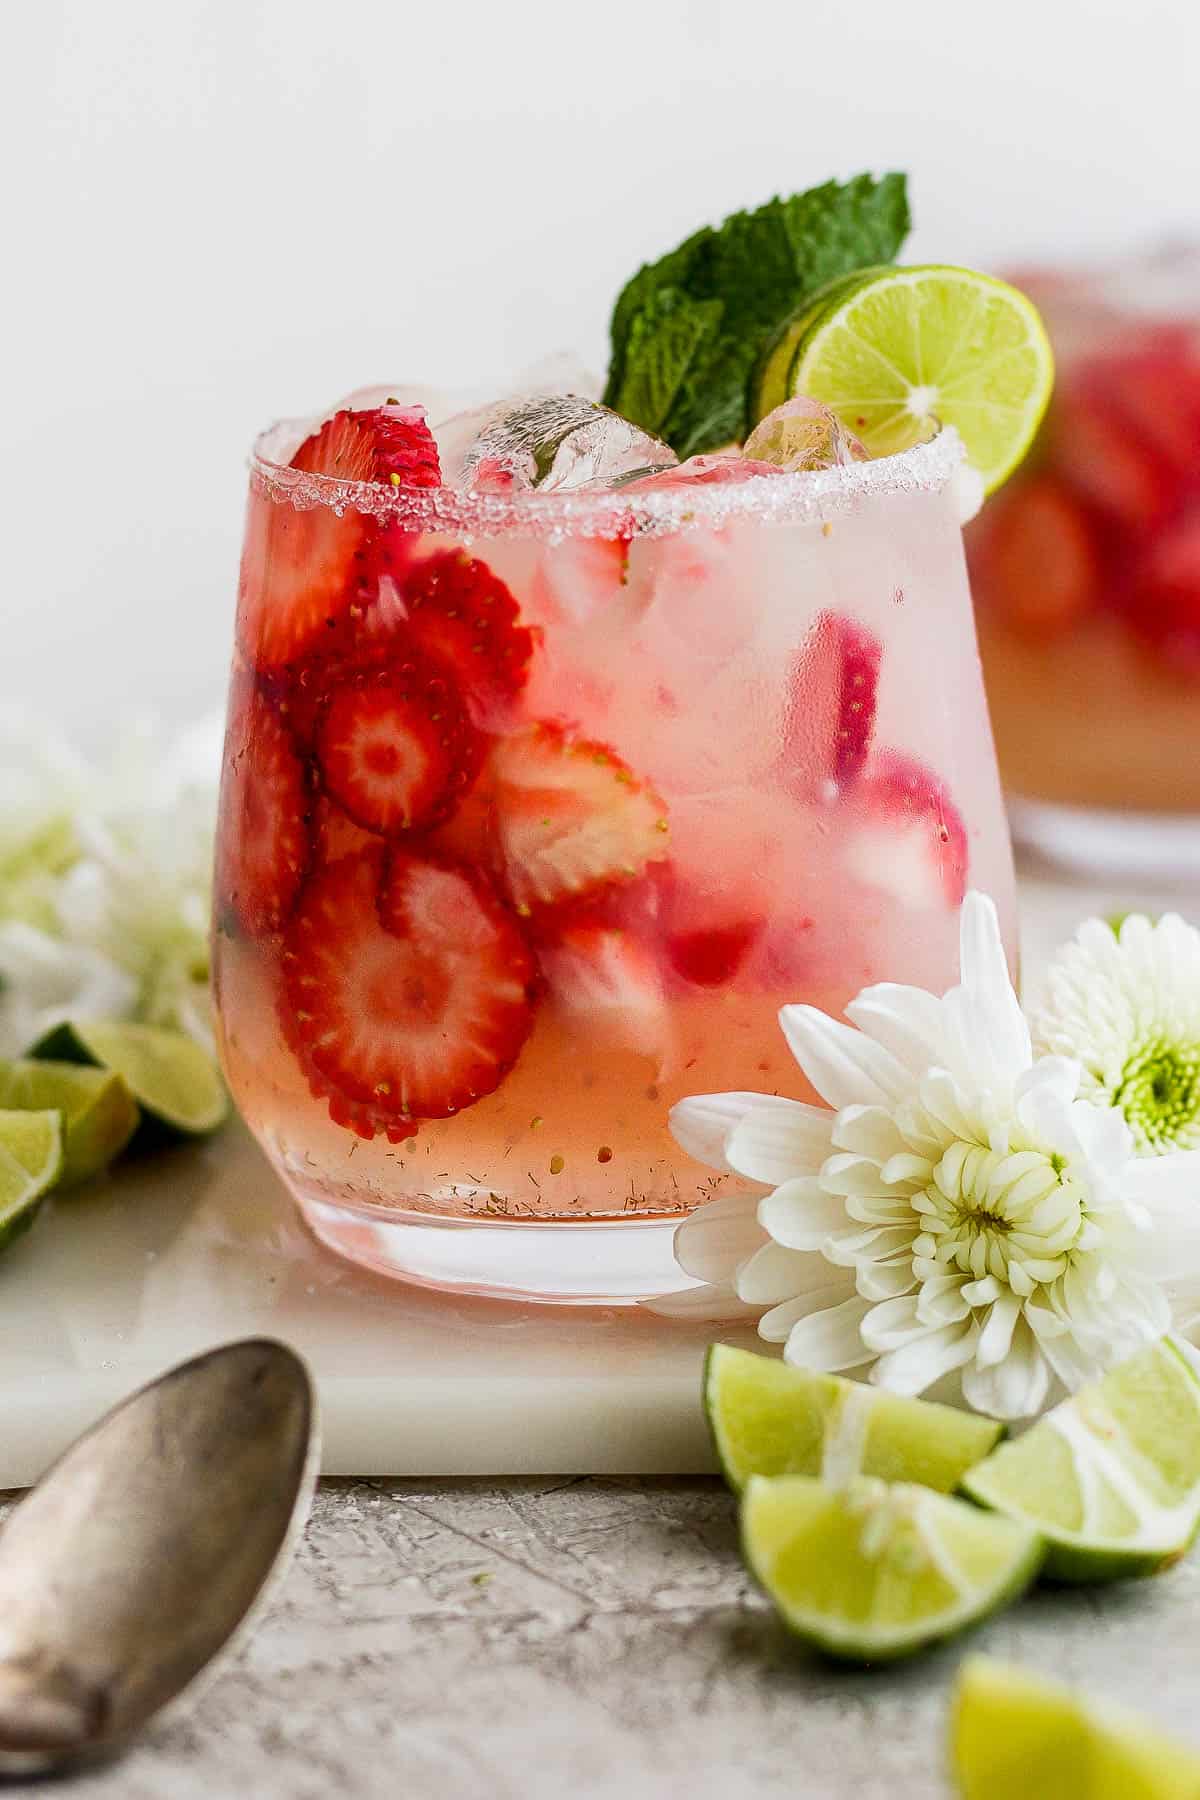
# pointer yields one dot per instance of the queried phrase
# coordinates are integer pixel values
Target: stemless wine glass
(1086, 572)
(703, 745)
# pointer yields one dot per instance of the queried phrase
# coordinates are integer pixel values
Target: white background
(221, 211)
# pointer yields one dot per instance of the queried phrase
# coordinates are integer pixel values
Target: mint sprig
(688, 329)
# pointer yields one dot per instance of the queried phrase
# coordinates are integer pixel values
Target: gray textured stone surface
(533, 1640)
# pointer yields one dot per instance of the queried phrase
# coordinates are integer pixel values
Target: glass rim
(783, 499)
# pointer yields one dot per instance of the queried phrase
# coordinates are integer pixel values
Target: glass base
(593, 1263)
(1093, 841)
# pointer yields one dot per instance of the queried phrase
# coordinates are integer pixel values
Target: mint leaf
(669, 335)
(688, 329)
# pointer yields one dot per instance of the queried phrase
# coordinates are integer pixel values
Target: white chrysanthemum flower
(104, 880)
(44, 981)
(1126, 1005)
(959, 1210)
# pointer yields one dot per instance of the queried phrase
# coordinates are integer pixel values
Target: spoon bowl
(147, 1548)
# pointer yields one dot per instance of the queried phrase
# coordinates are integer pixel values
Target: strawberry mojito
(559, 758)
(1087, 570)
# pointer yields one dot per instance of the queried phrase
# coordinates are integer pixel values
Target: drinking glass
(1086, 572)
(726, 748)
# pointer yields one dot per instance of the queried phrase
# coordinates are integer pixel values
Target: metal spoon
(146, 1547)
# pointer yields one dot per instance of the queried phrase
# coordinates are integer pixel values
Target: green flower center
(1159, 1093)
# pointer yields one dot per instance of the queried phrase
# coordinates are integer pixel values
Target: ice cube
(552, 442)
(439, 403)
(803, 434)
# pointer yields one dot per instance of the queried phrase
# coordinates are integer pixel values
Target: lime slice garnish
(767, 1418)
(1014, 1733)
(31, 1160)
(170, 1077)
(1111, 1478)
(873, 1571)
(770, 384)
(896, 351)
(98, 1110)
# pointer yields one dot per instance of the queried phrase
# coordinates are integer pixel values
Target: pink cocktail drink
(538, 806)
(1086, 573)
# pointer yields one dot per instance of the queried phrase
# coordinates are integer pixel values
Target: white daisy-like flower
(105, 873)
(1125, 1004)
(955, 1209)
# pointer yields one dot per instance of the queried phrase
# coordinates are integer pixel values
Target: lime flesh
(100, 1113)
(768, 1418)
(31, 1160)
(1013, 1733)
(895, 352)
(876, 1571)
(1111, 1478)
(170, 1077)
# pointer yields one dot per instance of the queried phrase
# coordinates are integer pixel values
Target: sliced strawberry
(456, 610)
(334, 833)
(409, 985)
(396, 750)
(609, 983)
(1164, 596)
(446, 612)
(569, 816)
(1154, 385)
(263, 848)
(831, 703)
(303, 574)
(905, 835)
(1035, 560)
(387, 443)
(712, 957)
(1096, 453)
(307, 571)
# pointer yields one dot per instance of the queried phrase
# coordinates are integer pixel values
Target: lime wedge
(770, 384)
(170, 1077)
(100, 1113)
(1014, 1733)
(767, 1418)
(1111, 1478)
(873, 1571)
(31, 1159)
(895, 351)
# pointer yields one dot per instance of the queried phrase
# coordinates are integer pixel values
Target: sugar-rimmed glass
(784, 670)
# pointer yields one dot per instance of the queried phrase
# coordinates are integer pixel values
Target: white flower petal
(830, 1338)
(718, 1236)
(996, 1337)
(885, 1280)
(1168, 1188)
(847, 1248)
(917, 1365)
(844, 1173)
(774, 1274)
(893, 1322)
(702, 1125)
(775, 1327)
(907, 1021)
(1014, 1388)
(943, 1300)
(844, 1066)
(996, 1028)
(867, 1131)
(800, 1215)
(708, 1301)
(774, 1141)
(44, 980)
